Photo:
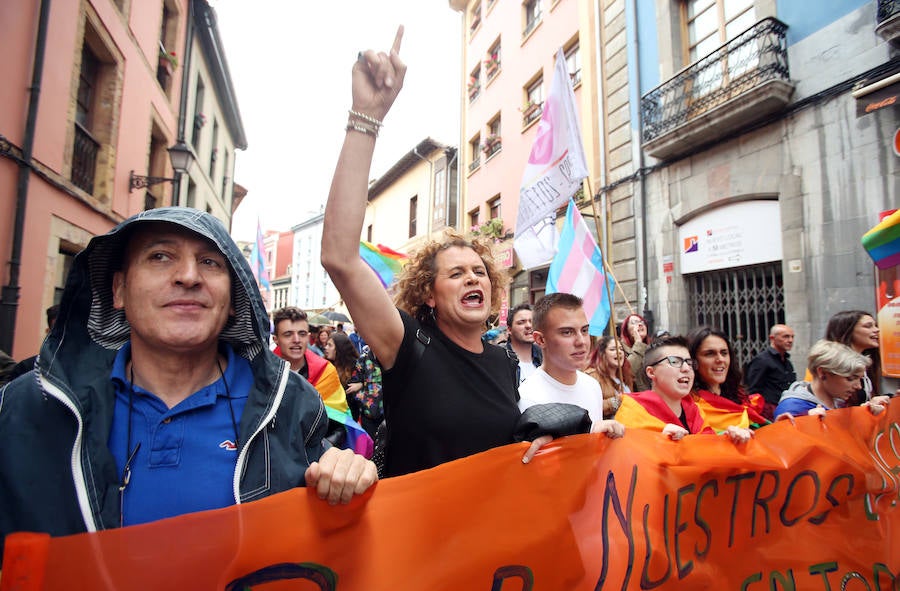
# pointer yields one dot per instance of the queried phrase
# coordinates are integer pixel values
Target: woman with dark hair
(858, 330)
(611, 369)
(633, 333)
(342, 354)
(318, 344)
(717, 383)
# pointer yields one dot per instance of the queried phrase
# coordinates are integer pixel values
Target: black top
(443, 402)
(769, 375)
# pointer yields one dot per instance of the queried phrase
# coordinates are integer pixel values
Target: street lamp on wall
(182, 158)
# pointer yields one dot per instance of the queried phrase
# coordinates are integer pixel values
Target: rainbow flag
(357, 438)
(883, 241)
(384, 261)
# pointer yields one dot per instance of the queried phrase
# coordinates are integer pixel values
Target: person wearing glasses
(668, 406)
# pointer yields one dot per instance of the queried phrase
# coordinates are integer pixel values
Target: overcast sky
(290, 63)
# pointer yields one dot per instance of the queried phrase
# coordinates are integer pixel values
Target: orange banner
(805, 506)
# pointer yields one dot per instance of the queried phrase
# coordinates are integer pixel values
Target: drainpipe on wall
(601, 137)
(182, 101)
(637, 154)
(451, 154)
(9, 299)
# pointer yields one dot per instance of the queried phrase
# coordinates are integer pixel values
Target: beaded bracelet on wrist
(356, 126)
(366, 118)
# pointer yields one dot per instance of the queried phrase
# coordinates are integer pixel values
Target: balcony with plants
(492, 230)
(531, 111)
(490, 145)
(474, 88)
(166, 66)
(492, 65)
(740, 83)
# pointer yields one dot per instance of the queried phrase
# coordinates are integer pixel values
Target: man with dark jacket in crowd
(771, 372)
(155, 393)
(521, 340)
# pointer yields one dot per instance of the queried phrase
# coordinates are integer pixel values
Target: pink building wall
(133, 39)
(520, 61)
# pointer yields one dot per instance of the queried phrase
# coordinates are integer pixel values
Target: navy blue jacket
(57, 474)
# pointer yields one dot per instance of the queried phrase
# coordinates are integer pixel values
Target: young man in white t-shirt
(561, 331)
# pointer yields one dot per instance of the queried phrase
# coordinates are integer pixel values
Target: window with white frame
(573, 63)
(534, 100)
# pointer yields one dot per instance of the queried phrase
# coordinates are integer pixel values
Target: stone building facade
(760, 166)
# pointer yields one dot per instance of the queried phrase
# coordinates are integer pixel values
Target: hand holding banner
(810, 505)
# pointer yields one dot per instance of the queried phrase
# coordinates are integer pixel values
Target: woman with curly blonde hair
(446, 394)
(417, 277)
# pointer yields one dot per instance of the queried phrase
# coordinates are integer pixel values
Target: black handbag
(555, 418)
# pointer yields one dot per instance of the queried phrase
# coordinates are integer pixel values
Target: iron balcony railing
(887, 9)
(84, 159)
(757, 55)
(474, 164)
(492, 148)
(531, 113)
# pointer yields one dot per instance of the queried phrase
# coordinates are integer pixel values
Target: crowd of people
(160, 391)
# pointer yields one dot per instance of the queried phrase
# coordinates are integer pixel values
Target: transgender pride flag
(258, 260)
(577, 268)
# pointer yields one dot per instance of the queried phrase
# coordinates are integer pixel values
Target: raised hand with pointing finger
(377, 79)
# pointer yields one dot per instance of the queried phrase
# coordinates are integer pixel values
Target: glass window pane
(739, 25)
(695, 7)
(705, 47)
(703, 25)
(735, 7)
(534, 92)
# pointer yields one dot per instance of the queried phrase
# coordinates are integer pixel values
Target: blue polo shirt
(187, 456)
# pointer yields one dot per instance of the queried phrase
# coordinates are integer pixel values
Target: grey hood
(87, 318)
(800, 390)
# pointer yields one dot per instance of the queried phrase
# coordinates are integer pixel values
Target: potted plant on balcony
(529, 108)
(474, 86)
(492, 229)
(490, 144)
(168, 60)
(492, 64)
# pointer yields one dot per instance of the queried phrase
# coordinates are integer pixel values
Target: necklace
(126, 470)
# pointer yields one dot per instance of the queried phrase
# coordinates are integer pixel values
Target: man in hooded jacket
(155, 394)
